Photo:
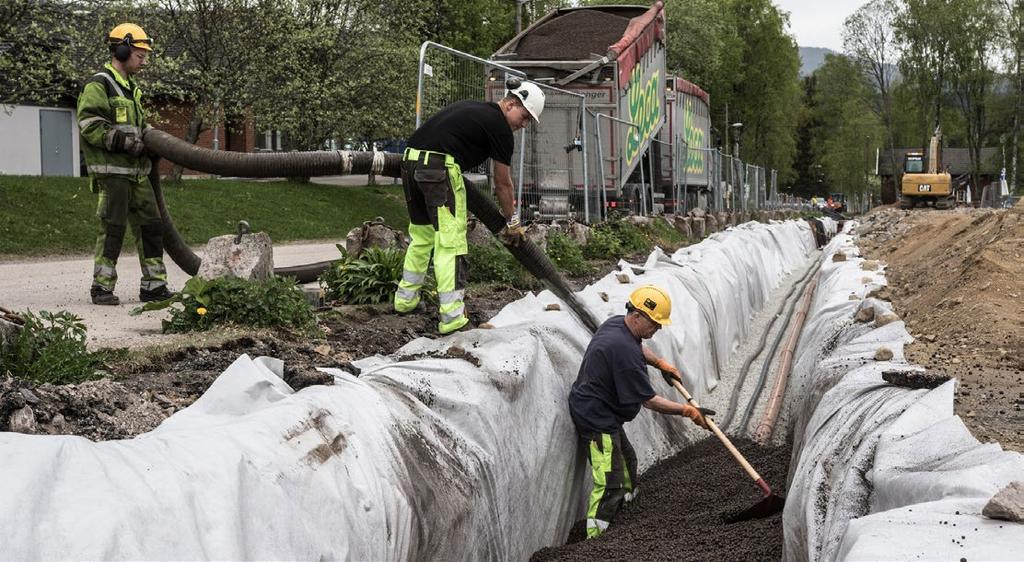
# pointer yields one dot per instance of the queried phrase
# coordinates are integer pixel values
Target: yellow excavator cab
(921, 186)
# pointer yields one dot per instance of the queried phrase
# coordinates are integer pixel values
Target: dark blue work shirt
(612, 384)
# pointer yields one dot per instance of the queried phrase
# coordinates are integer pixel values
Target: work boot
(103, 297)
(160, 294)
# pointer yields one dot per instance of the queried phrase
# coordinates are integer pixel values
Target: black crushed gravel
(574, 36)
(679, 512)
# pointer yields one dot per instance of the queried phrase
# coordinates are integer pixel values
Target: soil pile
(577, 35)
(957, 279)
(679, 511)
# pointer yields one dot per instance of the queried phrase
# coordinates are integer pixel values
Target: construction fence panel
(554, 181)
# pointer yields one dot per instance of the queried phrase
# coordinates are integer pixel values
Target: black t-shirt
(612, 384)
(471, 131)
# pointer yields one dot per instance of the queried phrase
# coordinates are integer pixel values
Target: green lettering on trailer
(694, 136)
(644, 110)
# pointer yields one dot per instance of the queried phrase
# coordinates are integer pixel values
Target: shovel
(770, 504)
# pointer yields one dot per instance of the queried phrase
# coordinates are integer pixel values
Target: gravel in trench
(679, 512)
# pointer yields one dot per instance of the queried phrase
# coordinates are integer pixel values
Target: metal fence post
(586, 170)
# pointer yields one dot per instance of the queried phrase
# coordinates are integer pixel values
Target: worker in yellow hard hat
(609, 391)
(111, 121)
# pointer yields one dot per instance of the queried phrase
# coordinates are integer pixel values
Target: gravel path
(63, 284)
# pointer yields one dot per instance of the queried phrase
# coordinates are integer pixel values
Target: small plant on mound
(614, 240)
(273, 303)
(567, 255)
(370, 278)
(664, 235)
(490, 263)
(50, 348)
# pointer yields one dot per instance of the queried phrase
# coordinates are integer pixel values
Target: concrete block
(252, 258)
(374, 234)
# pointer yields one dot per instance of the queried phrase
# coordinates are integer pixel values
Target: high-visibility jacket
(110, 101)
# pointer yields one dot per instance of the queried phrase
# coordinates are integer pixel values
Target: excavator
(932, 187)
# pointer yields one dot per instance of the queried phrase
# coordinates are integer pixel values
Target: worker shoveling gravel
(679, 511)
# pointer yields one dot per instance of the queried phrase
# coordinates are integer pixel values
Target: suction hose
(327, 163)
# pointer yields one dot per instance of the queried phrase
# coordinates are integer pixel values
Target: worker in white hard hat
(459, 137)
(611, 387)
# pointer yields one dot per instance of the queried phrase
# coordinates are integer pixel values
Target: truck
(614, 58)
(923, 186)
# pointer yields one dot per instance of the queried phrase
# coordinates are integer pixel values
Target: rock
(866, 280)
(251, 259)
(839, 256)
(323, 349)
(711, 224)
(538, 234)
(914, 379)
(374, 234)
(881, 293)
(697, 212)
(603, 295)
(29, 396)
(698, 225)
(623, 278)
(553, 306)
(456, 351)
(23, 420)
(682, 225)
(486, 326)
(930, 338)
(853, 298)
(887, 318)
(869, 265)
(1007, 504)
(477, 234)
(883, 354)
(865, 313)
(577, 232)
(638, 220)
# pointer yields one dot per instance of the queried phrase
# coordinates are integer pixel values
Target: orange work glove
(697, 415)
(668, 372)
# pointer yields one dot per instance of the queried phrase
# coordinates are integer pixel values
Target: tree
(1013, 37)
(924, 30)
(869, 40)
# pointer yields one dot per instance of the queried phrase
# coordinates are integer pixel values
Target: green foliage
(664, 235)
(274, 303)
(370, 278)
(50, 349)
(53, 215)
(493, 264)
(567, 255)
(616, 239)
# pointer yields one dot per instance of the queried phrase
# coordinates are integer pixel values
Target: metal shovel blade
(768, 506)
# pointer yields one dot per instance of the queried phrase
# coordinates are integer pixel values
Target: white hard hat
(532, 97)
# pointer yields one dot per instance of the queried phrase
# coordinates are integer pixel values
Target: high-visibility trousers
(613, 467)
(128, 202)
(435, 194)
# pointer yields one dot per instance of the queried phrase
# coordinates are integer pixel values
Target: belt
(414, 154)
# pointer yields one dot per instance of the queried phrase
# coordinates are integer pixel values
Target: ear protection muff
(122, 50)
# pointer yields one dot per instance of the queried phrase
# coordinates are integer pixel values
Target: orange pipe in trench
(764, 429)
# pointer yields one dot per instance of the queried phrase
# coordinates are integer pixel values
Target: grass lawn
(57, 215)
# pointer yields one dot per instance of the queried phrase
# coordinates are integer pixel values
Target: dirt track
(957, 279)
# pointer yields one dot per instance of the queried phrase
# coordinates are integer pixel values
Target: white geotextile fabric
(882, 472)
(423, 456)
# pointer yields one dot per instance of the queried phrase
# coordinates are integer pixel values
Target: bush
(493, 264)
(567, 255)
(369, 279)
(50, 348)
(614, 240)
(663, 234)
(274, 303)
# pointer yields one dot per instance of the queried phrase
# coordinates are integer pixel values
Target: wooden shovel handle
(721, 436)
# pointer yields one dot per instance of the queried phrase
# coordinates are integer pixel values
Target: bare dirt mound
(957, 279)
(678, 514)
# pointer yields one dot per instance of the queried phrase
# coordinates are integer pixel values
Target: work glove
(668, 372)
(697, 415)
(513, 234)
(119, 141)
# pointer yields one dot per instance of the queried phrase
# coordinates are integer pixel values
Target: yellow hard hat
(653, 302)
(136, 36)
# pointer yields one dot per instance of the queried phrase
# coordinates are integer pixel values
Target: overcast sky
(818, 23)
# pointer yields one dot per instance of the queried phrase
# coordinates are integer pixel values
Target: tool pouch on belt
(446, 203)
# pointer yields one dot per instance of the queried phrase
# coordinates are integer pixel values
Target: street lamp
(736, 138)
